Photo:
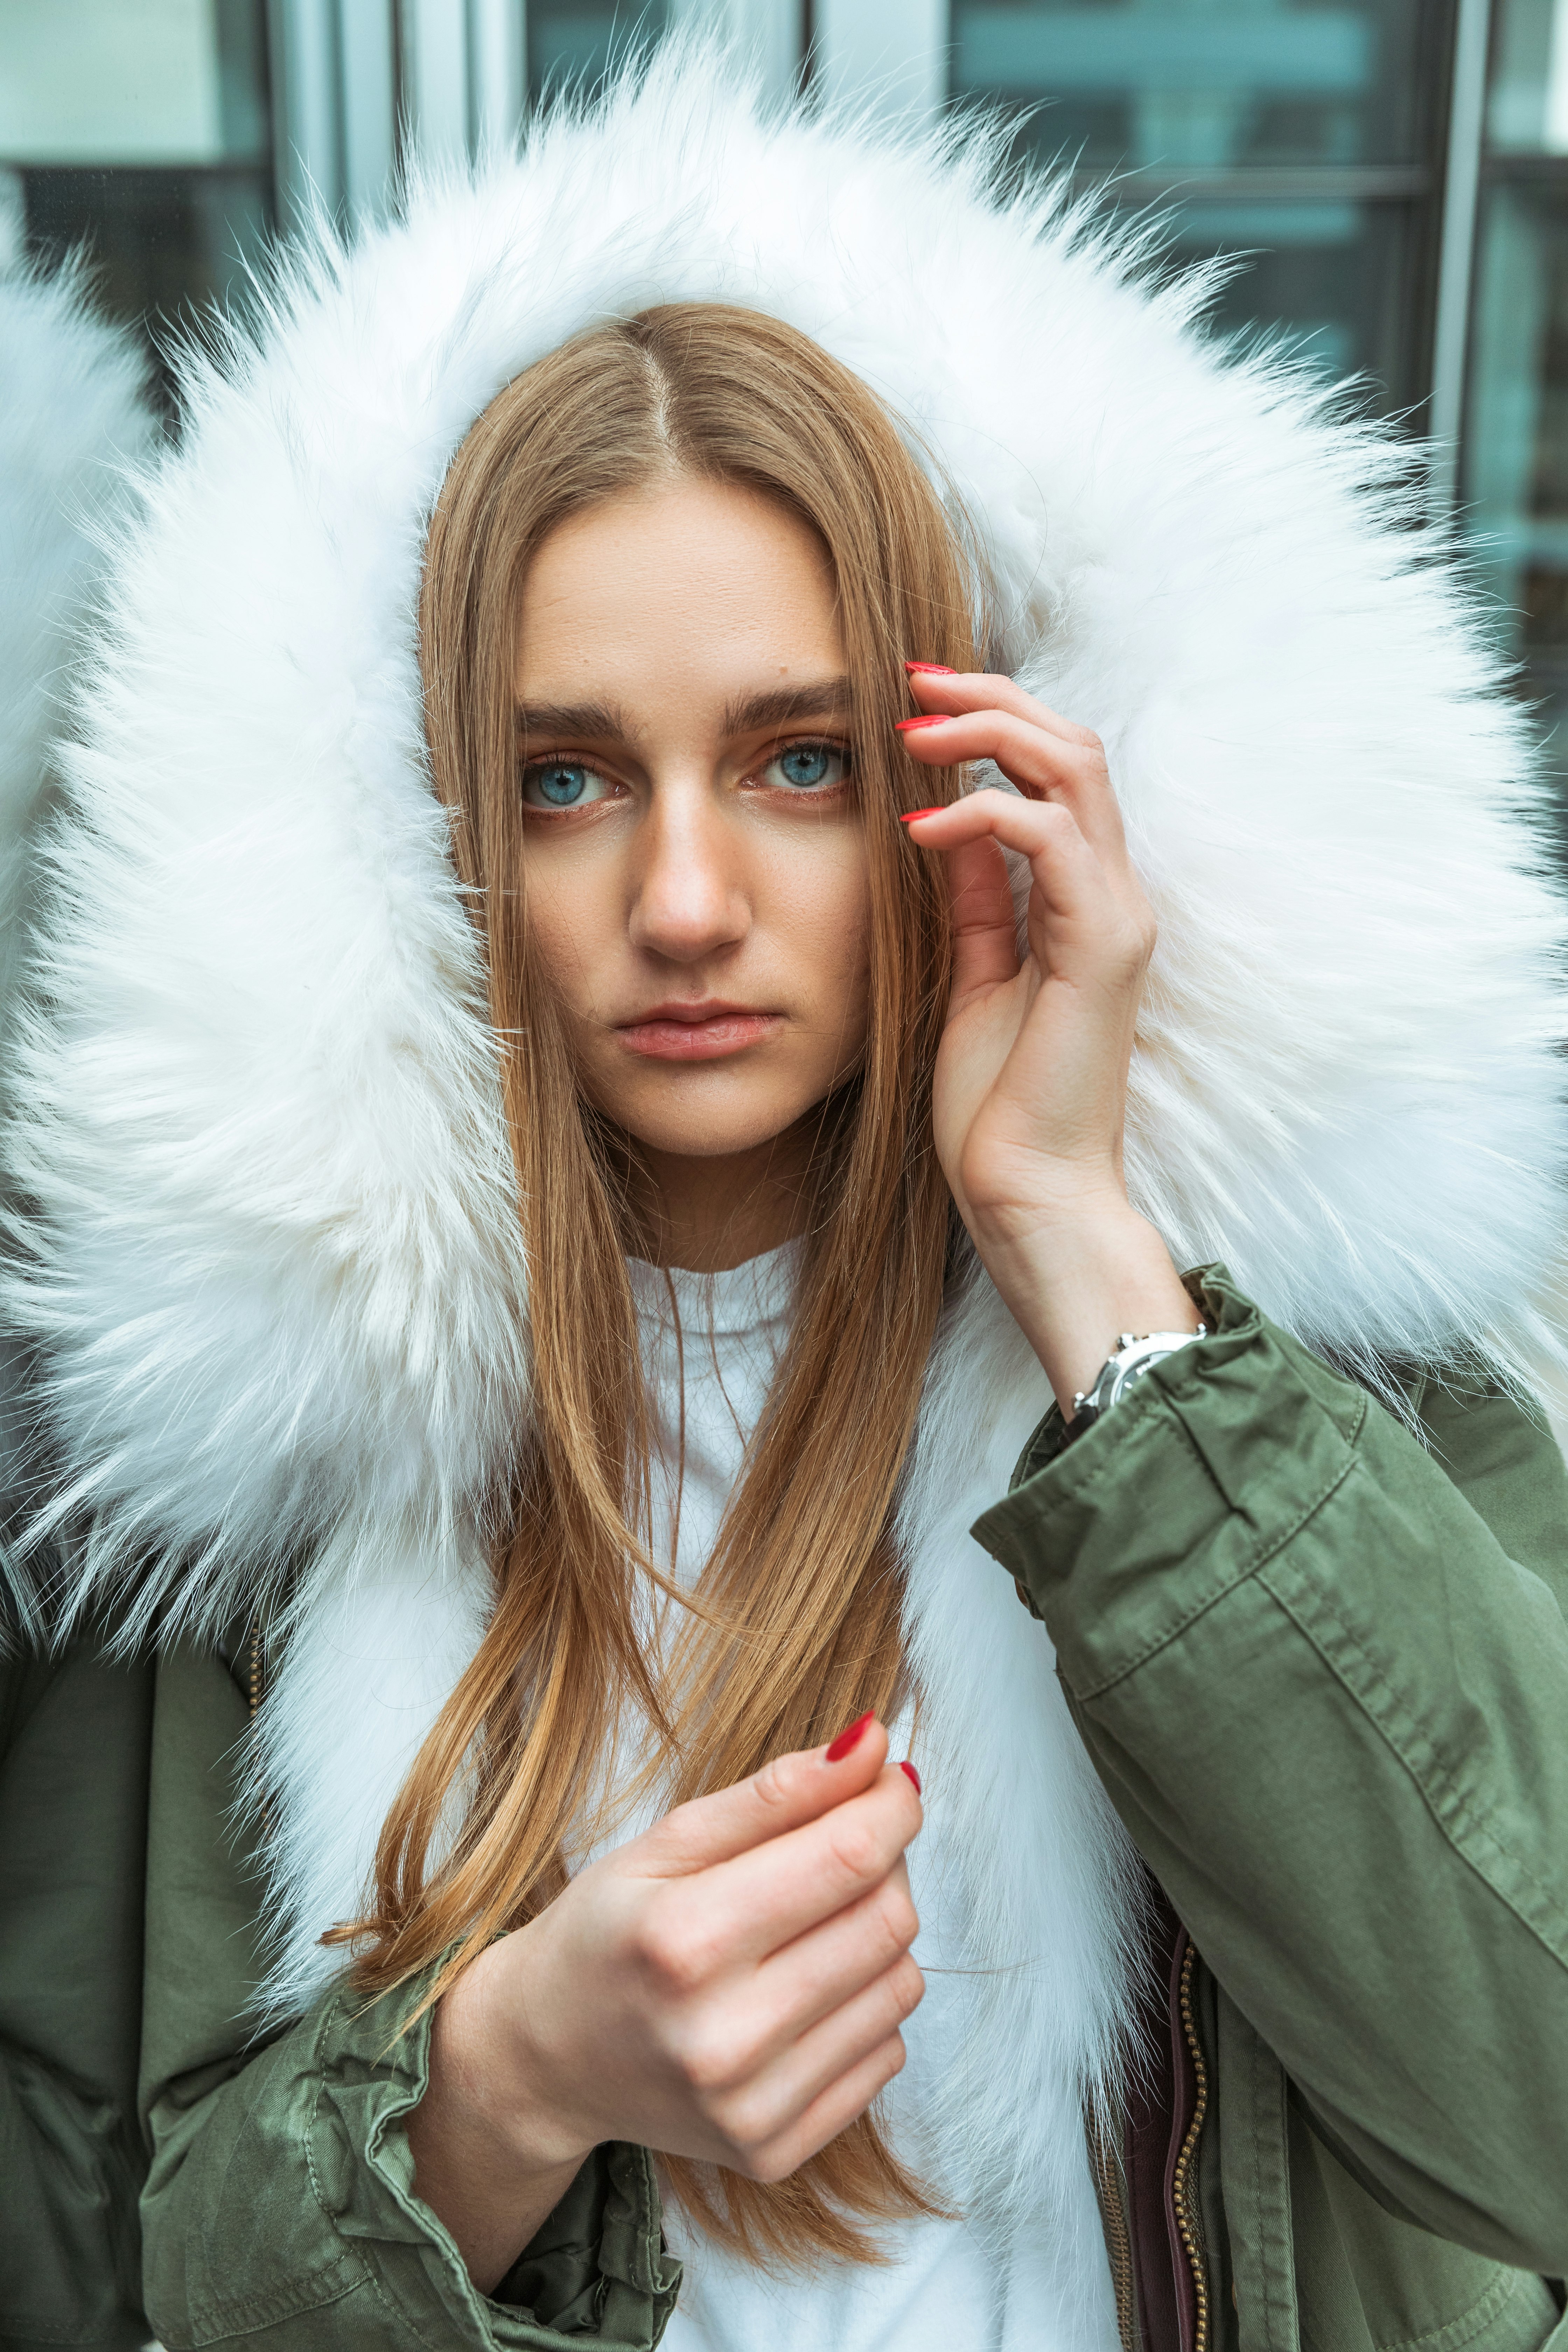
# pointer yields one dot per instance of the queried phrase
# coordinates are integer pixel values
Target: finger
(984, 920)
(804, 1981)
(1042, 765)
(786, 1793)
(840, 2042)
(830, 2112)
(954, 690)
(1067, 873)
(760, 2110)
(764, 1899)
(1081, 927)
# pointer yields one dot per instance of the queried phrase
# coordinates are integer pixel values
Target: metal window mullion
(436, 76)
(1455, 272)
(888, 55)
(367, 50)
(306, 120)
(498, 60)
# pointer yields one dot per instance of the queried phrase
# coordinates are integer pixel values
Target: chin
(716, 1139)
(708, 1121)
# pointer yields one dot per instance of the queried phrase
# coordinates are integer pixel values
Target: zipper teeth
(1121, 2238)
(254, 1668)
(1182, 2182)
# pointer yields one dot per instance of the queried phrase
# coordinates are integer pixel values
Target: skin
(694, 873)
(731, 1986)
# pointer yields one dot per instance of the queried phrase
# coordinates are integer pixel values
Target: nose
(690, 899)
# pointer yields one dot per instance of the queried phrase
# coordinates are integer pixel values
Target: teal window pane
(137, 83)
(1336, 277)
(142, 131)
(577, 42)
(1302, 138)
(1215, 85)
(1516, 472)
(1527, 102)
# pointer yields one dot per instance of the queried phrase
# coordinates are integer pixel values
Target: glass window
(1527, 97)
(1514, 480)
(1302, 135)
(142, 129)
(577, 41)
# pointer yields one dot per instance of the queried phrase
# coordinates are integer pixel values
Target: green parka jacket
(1322, 1665)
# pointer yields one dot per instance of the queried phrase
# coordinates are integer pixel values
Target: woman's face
(696, 868)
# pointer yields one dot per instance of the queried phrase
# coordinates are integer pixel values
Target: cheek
(825, 918)
(570, 922)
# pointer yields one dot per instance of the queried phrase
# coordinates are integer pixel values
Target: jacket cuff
(596, 2266)
(1210, 1463)
(594, 2271)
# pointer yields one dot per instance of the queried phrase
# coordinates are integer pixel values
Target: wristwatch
(1132, 1358)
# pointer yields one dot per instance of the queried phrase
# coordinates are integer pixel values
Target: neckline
(729, 1303)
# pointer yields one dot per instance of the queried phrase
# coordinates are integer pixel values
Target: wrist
(1075, 1284)
(488, 2160)
(503, 2072)
(485, 2068)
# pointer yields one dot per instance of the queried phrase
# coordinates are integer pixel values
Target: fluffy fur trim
(73, 415)
(272, 1264)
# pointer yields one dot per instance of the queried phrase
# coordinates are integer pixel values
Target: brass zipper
(255, 1667)
(1185, 2193)
(1108, 2181)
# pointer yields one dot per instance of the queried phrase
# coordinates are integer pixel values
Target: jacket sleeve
(74, 1739)
(1322, 1670)
(280, 2208)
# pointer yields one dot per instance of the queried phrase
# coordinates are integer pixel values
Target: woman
(555, 1214)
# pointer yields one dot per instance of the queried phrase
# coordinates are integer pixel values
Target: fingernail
(907, 1767)
(931, 670)
(911, 814)
(848, 1736)
(926, 718)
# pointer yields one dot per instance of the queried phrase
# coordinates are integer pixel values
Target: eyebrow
(816, 698)
(598, 720)
(601, 722)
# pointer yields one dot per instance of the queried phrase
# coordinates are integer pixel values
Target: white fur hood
(73, 416)
(271, 1269)
(274, 1273)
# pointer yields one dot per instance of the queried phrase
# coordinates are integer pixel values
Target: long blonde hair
(798, 1626)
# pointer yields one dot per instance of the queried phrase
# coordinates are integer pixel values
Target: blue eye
(561, 784)
(808, 767)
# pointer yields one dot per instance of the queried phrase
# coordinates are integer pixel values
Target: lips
(703, 1031)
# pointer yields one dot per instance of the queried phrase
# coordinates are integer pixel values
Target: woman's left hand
(1031, 1077)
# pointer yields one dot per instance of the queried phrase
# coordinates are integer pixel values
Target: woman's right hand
(729, 1987)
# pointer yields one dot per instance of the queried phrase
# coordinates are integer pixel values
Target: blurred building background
(1393, 171)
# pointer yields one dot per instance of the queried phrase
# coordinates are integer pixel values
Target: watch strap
(1134, 1354)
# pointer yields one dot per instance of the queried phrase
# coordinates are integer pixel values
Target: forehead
(695, 586)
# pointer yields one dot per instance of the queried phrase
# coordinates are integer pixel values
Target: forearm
(1076, 1279)
(475, 2165)
(1330, 1708)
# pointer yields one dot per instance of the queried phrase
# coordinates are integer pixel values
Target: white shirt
(944, 2291)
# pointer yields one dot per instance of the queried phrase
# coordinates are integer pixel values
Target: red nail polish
(907, 1767)
(850, 1736)
(911, 814)
(931, 670)
(926, 718)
